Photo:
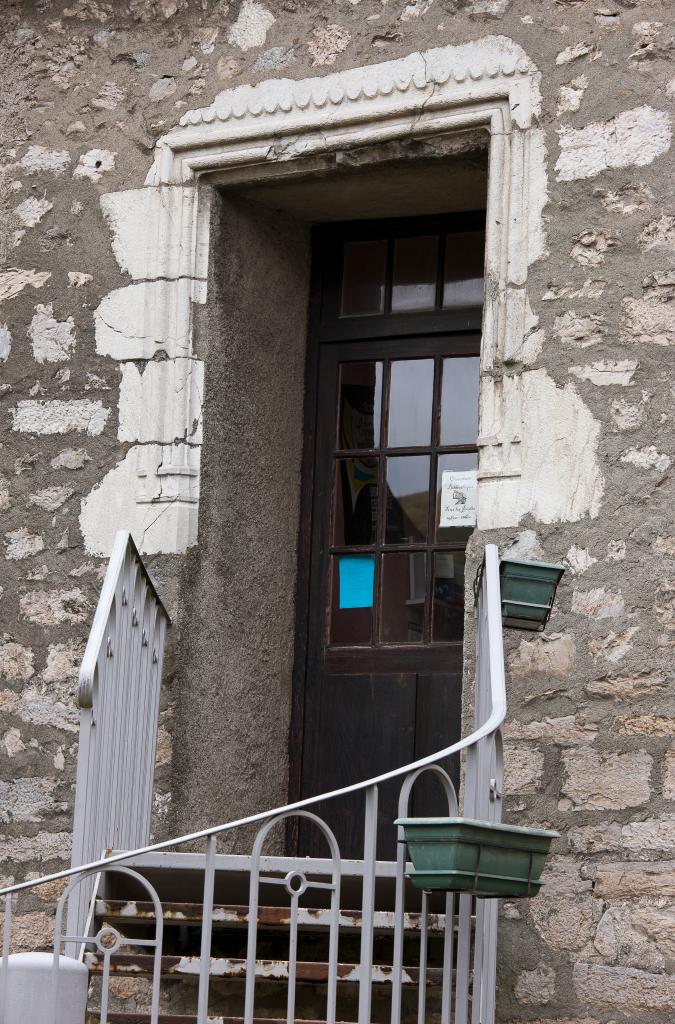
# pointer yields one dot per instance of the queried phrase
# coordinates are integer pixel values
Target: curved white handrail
(495, 720)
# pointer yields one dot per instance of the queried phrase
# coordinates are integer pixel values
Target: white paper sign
(458, 498)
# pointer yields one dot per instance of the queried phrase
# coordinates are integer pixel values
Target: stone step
(139, 964)
(168, 1018)
(236, 915)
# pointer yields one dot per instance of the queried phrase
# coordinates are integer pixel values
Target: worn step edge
(136, 964)
(236, 915)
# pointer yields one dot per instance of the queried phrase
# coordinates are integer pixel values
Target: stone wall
(87, 88)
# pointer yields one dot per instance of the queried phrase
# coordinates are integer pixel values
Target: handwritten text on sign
(458, 498)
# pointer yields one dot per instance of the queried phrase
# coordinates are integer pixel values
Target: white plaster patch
(598, 603)
(22, 544)
(147, 409)
(38, 159)
(326, 43)
(581, 331)
(54, 607)
(57, 417)
(526, 545)
(125, 328)
(52, 340)
(648, 321)
(635, 137)
(625, 415)
(607, 372)
(14, 281)
(647, 458)
(659, 234)
(571, 95)
(579, 560)
(560, 478)
(77, 279)
(159, 522)
(13, 743)
(70, 458)
(94, 164)
(5, 343)
(575, 52)
(628, 199)
(31, 211)
(251, 27)
(51, 498)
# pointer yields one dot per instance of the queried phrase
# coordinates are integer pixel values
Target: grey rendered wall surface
(87, 87)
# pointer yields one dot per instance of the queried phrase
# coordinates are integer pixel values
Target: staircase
(122, 908)
(180, 932)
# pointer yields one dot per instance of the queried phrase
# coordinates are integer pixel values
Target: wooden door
(393, 480)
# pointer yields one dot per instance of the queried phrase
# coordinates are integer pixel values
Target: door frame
(324, 331)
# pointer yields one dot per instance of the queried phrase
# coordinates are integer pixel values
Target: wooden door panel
(438, 720)
(364, 725)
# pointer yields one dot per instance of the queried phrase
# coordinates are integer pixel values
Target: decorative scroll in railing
(465, 968)
(119, 694)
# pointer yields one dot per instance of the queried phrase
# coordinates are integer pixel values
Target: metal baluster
(207, 926)
(4, 973)
(334, 934)
(463, 955)
(368, 906)
(292, 959)
(249, 998)
(448, 950)
(424, 942)
(478, 962)
(399, 928)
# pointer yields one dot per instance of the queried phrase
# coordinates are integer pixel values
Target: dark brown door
(394, 483)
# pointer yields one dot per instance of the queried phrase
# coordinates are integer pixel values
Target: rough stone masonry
(87, 89)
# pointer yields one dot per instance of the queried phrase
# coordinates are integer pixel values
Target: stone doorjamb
(161, 238)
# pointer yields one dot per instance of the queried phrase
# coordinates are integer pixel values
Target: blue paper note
(357, 575)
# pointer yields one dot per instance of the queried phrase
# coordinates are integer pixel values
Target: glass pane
(363, 272)
(459, 401)
(403, 591)
(464, 261)
(355, 507)
(448, 596)
(360, 405)
(456, 485)
(410, 402)
(407, 499)
(352, 588)
(415, 273)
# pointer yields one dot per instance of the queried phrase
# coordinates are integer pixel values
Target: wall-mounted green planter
(528, 590)
(476, 857)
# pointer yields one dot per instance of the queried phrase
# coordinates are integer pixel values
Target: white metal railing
(119, 690)
(470, 939)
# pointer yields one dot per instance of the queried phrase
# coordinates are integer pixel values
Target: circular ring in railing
(108, 939)
(295, 883)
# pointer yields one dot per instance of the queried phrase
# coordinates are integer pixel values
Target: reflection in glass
(464, 268)
(363, 273)
(459, 400)
(415, 273)
(407, 499)
(351, 609)
(355, 506)
(410, 402)
(403, 590)
(456, 478)
(448, 596)
(360, 405)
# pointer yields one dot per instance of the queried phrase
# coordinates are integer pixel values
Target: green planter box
(476, 857)
(528, 590)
